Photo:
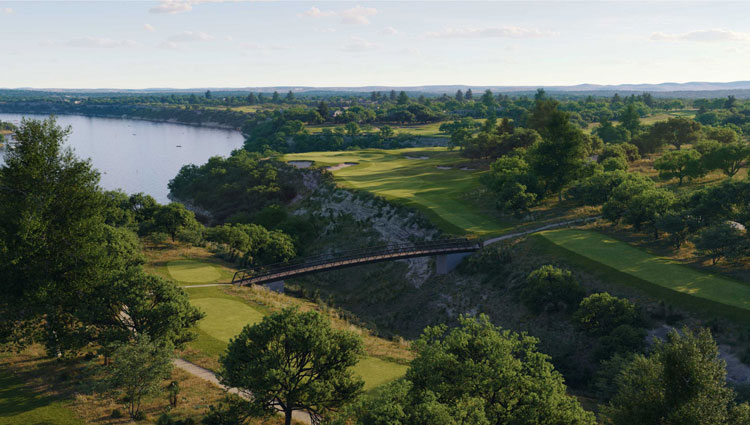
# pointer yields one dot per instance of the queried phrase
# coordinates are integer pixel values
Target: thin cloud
(258, 46)
(98, 42)
(173, 6)
(389, 31)
(702, 36)
(149, 28)
(358, 44)
(357, 15)
(314, 12)
(490, 32)
(6, 10)
(189, 37)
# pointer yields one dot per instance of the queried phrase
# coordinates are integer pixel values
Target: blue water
(140, 156)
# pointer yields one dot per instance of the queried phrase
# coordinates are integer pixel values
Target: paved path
(539, 229)
(209, 376)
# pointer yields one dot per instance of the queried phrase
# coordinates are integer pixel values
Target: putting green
(657, 270)
(193, 271)
(225, 318)
(411, 176)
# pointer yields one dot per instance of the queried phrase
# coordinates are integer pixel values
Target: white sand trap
(443, 167)
(417, 157)
(468, 169)
(340, 166)
(301, 164)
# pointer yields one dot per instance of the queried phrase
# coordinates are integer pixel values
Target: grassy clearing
(411, 176)
(229, 309)
(38, 390)
(660, 271)
(22, 405)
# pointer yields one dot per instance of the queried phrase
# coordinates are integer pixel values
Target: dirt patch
(340, 166)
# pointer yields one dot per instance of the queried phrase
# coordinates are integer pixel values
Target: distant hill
(691, 89)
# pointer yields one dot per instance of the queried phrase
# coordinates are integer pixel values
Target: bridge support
(277, 286)
(446, 263)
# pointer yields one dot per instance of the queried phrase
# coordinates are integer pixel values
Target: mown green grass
(19, 405)
(656, 270)
(439, 193)
(195, 271)
(226, 315)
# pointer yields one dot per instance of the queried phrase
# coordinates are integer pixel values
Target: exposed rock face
(391, 223)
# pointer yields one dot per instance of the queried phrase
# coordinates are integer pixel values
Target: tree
(276, 98)
(478, 374)
(647, 207)
(352, 129)
(722, 240)
(174, 217)
(469, 95)
(681, 381)
(252, 99)
(135, 303)
(516, 188)
(631, 120)
(610, 133)
(403, 98)
(138, 371)
(730, 158)
(680, 164)
(549, 288)
(54, 249)
(488, 99)
(677, 131)
(723, 135)
(558, 159)
(289, 97)
(294, 360)
(459, 96)
(323, 110)
(599, 314)
(208, 94)
(386, 132)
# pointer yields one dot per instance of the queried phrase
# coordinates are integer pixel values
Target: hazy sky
(199, 43)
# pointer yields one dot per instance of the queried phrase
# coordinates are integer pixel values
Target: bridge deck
(302, 266)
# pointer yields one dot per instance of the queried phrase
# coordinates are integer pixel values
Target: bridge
(448, 254)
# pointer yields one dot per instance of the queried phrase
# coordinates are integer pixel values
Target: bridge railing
(385, 251)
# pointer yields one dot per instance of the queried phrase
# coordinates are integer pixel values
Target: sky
(210, 43)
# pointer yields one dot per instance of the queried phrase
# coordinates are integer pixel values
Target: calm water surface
(140, 156)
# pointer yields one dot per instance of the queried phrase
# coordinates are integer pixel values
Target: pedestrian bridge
(448, 253)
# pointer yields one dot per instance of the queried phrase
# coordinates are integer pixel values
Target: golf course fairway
(654, 269)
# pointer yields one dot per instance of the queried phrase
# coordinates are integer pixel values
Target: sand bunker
(467, 168)
(301, 164)
(417, 157)
(443, 167)
(340, 166)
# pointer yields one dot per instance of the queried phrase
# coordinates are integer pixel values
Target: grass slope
(226, 315)
(441, 194)
(656, 270)
(20, 405)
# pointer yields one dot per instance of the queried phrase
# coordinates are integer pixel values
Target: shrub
(551, 289)
(624, 339)
(599, 314)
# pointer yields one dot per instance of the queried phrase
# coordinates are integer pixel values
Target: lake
(140, 156)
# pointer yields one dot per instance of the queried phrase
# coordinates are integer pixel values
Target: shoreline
(216, 126)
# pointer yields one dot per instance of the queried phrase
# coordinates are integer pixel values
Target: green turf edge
(705, 309)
